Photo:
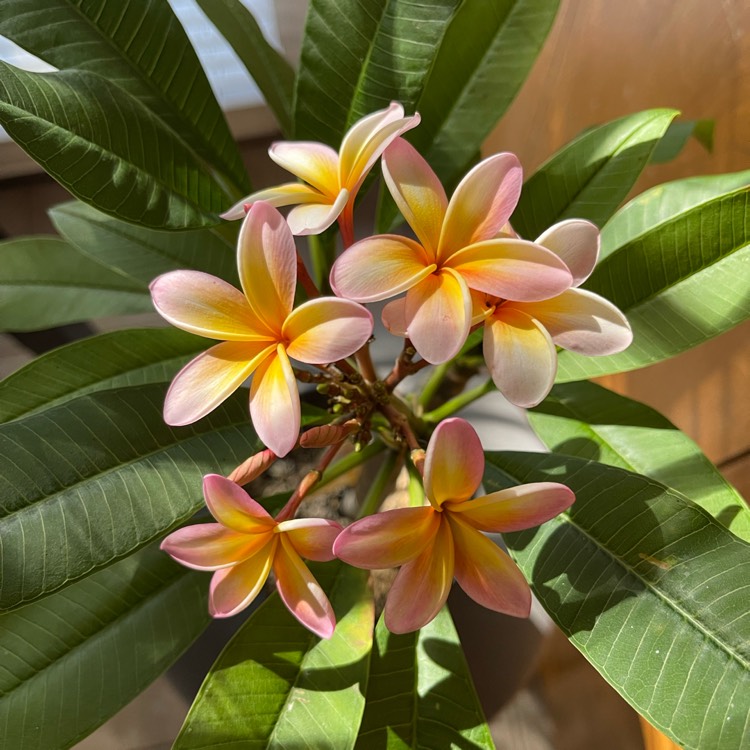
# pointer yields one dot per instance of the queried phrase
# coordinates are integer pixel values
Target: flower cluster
(466, 268)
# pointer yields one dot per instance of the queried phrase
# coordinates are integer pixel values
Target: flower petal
(312, 538)
(267, 262)
(422, 585)
(417, 191)
(203, 304)
(274, 403)
(438, 313)
(583, 322)
(394, 317)
(315, 163)
(301, 593)
(520, 356)
(232, 507)
(454, 463)
(379, 267)
(487, 574)
(211, 378)
(482, 203)
(326, 329)
(233, 589)
(517, 508)
(288, 194)
(210, 546)
(314, 218)
(387, 539)
(576, 241)
(512, 269)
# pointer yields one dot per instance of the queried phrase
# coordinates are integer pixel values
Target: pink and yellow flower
(246, 544)
(520, 338)
(330, 180)
(458, 251)
(432, 544)
(260, 330)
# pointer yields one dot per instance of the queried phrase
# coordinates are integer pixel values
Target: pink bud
(253, 467)
(327, 434)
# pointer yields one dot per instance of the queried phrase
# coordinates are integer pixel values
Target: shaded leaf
(679, 284)
(82, 129)
(276, 685)
(75, 658)
(46, 282)
(677, 136)
(586, 420)
(420, 693)
(268, 68)
(142, 48)
(589, 177)
(649, 587)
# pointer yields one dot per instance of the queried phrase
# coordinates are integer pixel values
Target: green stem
(433, 383)
(380, 485)
(347, 463)
(416, 489)
(322, 254)
(457, 403)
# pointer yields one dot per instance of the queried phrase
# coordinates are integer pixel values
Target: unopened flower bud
(327, 434)
(253, 467)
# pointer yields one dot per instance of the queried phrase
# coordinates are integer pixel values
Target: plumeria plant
(135, 462)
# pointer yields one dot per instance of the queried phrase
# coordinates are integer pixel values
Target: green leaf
(680, 284)
(46, 282)
(91, 481)
(141, 48)
(420, 693)
(268, 68)
(142, 254)
(586, 420)
(359, 55)
(590, 177)
(664, 202)
(677, 136)
(276, 685)
(107, 148)
(110, 360)
(649, 587)
(74, 659)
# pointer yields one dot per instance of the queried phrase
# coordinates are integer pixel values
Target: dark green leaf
(110, 360)
(142, 48)
(276, 685)
(93, 480)
(420, 693)
(590, 177)
(677, 136)
(586, 420)
(142, 254)
(107, 148)
(679, 284)
(46, 282)
(74, 659)
(650, 588)
(269, 69)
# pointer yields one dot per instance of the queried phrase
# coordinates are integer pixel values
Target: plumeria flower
(259, 330)
(458, 251)
(432, 544)
(330, 180)
(246, 544)
(520, 338)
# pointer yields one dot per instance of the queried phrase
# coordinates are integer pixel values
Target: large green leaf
(110, 360)
(142, 48)
(586, 420)
(91, 481)
(590, 177)
(420, 693)
(276, 685)
(679, 284)
(359, 55)
(142, 254)
(73, 659)
(664, 202)
(269, 69)
(677, 136)
(107, 148)
(46, 282)
(650, 588)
